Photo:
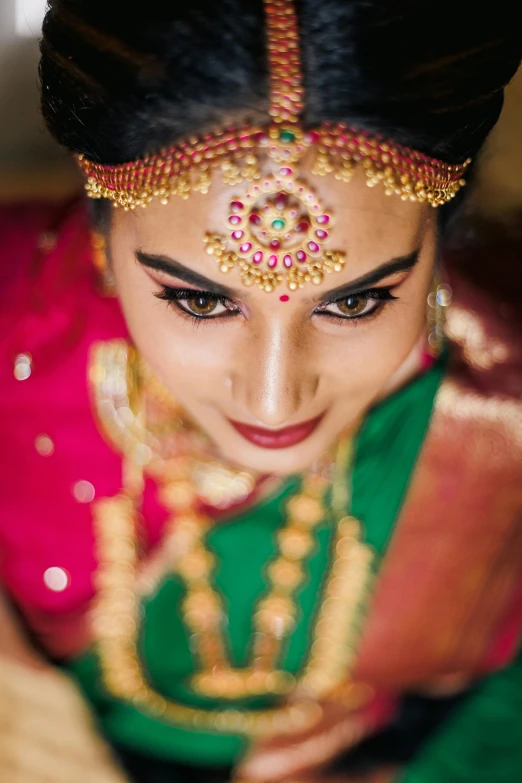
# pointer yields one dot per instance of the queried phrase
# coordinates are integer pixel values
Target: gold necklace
(116, 608)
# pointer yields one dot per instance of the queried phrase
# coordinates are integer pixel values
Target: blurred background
(32, 165)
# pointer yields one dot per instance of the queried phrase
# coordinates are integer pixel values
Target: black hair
(122, 79)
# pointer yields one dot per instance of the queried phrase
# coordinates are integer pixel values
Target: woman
(282, 545)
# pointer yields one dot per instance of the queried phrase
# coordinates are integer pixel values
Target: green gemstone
(286, 136)
(278, 224)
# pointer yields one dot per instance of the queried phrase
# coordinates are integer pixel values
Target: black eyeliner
(383, 293)
(173, 295)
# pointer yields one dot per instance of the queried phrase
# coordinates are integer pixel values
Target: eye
(358, 305)
(198, 304)
(202, 305)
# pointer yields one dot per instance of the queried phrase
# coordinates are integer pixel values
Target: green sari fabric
(482, 741)
(386, 450)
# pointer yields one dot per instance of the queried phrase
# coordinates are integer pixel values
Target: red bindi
(284, 298)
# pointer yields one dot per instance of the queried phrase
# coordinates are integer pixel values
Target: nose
(274, 384)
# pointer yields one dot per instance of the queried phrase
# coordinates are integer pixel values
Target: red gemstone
(301, 256)
(237, 235)
(313, 247)
(272, 262)
(236, 206)
(281, 200)
(321, 234)
(302, 226)
(275, 244)
(257, 257)
(287, 260)
(235, 220)
(323, 220)
(245, 247)
(255, 218)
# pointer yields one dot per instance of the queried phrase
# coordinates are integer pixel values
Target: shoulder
(485, 319)
(50, 295)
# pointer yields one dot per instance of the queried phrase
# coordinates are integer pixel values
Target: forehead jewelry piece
(277, 229)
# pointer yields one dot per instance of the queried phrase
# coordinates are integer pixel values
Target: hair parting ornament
(277, 229)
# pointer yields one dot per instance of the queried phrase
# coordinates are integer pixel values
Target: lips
(277, 439)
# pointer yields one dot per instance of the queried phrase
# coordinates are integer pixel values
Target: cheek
(362, 363)
(188, 358)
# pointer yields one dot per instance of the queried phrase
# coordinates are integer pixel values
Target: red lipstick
(277, 439)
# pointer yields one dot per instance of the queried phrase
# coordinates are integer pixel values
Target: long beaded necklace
(116, 609)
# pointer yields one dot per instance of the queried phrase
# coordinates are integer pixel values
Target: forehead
(369, 226)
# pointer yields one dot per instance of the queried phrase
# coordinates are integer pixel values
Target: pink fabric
(50, 307)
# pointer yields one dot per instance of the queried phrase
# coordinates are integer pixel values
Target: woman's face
(233, 355)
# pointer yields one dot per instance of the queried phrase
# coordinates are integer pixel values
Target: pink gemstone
(284, 298)
(313, 247)
(275, 244)
(285, 171)
(255, 219)
(245, 247)
(312, 137)
(301, 256)
(237, 235)
(287, 260)
(302, 226)
(323, 220)
(272, 262)
(321, 234)
(257, 257)
(235, 220)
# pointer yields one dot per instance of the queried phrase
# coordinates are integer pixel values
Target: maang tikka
(278, 229)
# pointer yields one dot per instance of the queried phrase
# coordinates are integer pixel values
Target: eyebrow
(175, 269)
(393, 267)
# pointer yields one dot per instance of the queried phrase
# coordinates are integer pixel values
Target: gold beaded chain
(276, 612)
(120, 578)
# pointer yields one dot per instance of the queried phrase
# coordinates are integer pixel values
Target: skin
(275, 364)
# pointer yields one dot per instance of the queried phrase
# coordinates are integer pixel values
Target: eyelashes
(357, 306)
(200, 306)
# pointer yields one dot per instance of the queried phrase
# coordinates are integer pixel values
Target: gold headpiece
(277, 229)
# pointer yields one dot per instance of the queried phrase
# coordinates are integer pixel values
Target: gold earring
(439, 299)
(101, 263)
